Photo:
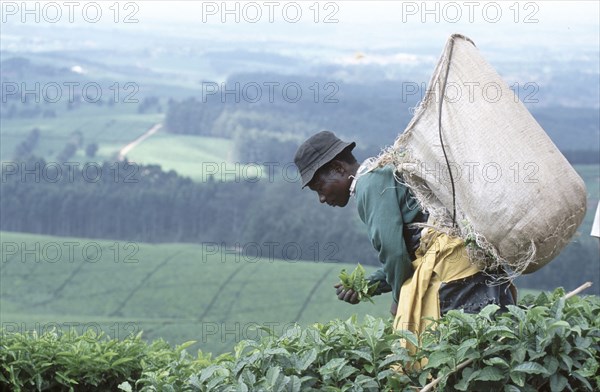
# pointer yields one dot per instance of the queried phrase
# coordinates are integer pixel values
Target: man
(427, 272)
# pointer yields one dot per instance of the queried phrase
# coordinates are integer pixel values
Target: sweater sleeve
(379, 277)
(380, 201)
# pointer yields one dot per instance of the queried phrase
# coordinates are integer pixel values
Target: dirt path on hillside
(125, 150)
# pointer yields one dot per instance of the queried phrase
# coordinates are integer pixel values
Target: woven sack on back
(477, 157)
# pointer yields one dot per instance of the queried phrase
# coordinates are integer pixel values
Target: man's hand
(347, 295)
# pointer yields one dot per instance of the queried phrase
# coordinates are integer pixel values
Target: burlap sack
(515, 199)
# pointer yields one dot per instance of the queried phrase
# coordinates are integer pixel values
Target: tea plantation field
(179, 292)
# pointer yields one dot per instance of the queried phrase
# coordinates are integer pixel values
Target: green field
(191, 156)
(110, 128)
(196, 157)
(179, 292)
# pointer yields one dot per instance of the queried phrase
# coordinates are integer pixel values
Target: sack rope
(440, 133)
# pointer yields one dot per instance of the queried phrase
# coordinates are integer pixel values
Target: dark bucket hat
(317, 151)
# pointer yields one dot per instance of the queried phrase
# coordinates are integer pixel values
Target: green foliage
(67, 361)
(336, 356)
(357, 282)
(545, 344)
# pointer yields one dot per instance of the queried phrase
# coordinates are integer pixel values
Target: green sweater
(385, 206)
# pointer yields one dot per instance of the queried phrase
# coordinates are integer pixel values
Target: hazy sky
(360, 23)
(389, 23)
(349, 25)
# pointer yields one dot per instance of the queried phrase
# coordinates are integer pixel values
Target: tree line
(125, 201)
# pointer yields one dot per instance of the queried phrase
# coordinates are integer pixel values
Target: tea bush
(547, 343)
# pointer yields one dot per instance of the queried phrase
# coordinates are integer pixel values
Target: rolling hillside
(175, 291)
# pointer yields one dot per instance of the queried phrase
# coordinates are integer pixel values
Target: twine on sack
(443, 93)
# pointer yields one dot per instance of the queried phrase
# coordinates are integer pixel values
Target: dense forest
(144, 203)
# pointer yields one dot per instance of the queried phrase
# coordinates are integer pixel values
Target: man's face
(332, 184)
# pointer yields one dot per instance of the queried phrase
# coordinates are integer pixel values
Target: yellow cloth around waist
(440, 258)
